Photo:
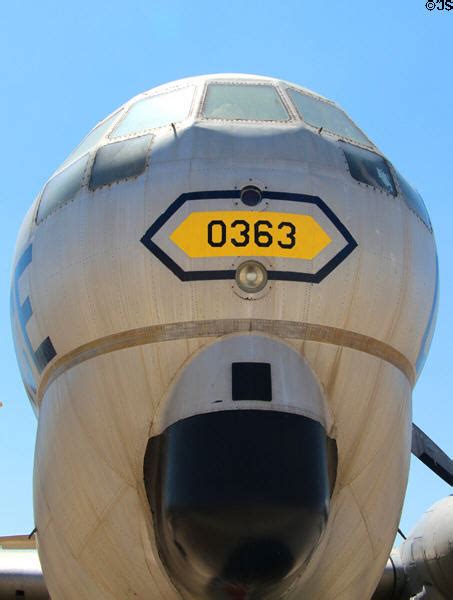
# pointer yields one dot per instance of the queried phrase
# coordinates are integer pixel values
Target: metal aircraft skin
(422, 567)
(221, 302)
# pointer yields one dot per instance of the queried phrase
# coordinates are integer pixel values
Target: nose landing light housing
(251, 276)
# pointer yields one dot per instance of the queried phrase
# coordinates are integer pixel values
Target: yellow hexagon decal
(216, 234)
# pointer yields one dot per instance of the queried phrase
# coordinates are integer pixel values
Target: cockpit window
(370, 168)
(62, 188)
(319, 113)
(156, 111)
(246, 102)
(414, 200)
(91, 139)
(120, 160)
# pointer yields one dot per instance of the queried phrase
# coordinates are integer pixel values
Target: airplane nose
(240, 499)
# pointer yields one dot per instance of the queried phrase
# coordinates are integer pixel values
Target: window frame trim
(146, 96)
(369, 185)
(83, 184)
(95, 146)
(288, 108)
(336, 135)
(396, 178)
(92, 190)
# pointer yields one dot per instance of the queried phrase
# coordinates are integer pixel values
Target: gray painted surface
(422, 567)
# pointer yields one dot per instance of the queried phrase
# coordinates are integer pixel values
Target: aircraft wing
(20, 569)
(431, 455)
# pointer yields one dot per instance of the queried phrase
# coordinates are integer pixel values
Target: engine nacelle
(422, 567)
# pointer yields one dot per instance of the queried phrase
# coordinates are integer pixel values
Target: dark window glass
(156, 111)
(319, 113)
(120, 160)
(62, 188)
(251, 381)
(244, 102)
(414, 200)
(369, 168)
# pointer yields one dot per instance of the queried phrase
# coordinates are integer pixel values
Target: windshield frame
(363, 144)
(145, 97)
(292, 116)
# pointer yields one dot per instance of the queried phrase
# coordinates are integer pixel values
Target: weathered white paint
(92, 279)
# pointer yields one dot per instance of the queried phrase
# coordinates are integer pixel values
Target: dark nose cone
(259, 561)
(240, 500)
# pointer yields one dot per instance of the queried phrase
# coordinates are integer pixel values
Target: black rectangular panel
(251, 381)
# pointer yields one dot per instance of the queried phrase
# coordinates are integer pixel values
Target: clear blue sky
(65, 65)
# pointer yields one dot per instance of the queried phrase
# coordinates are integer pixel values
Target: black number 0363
(262, 233)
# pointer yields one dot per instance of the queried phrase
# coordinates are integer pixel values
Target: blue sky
(65, 66)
